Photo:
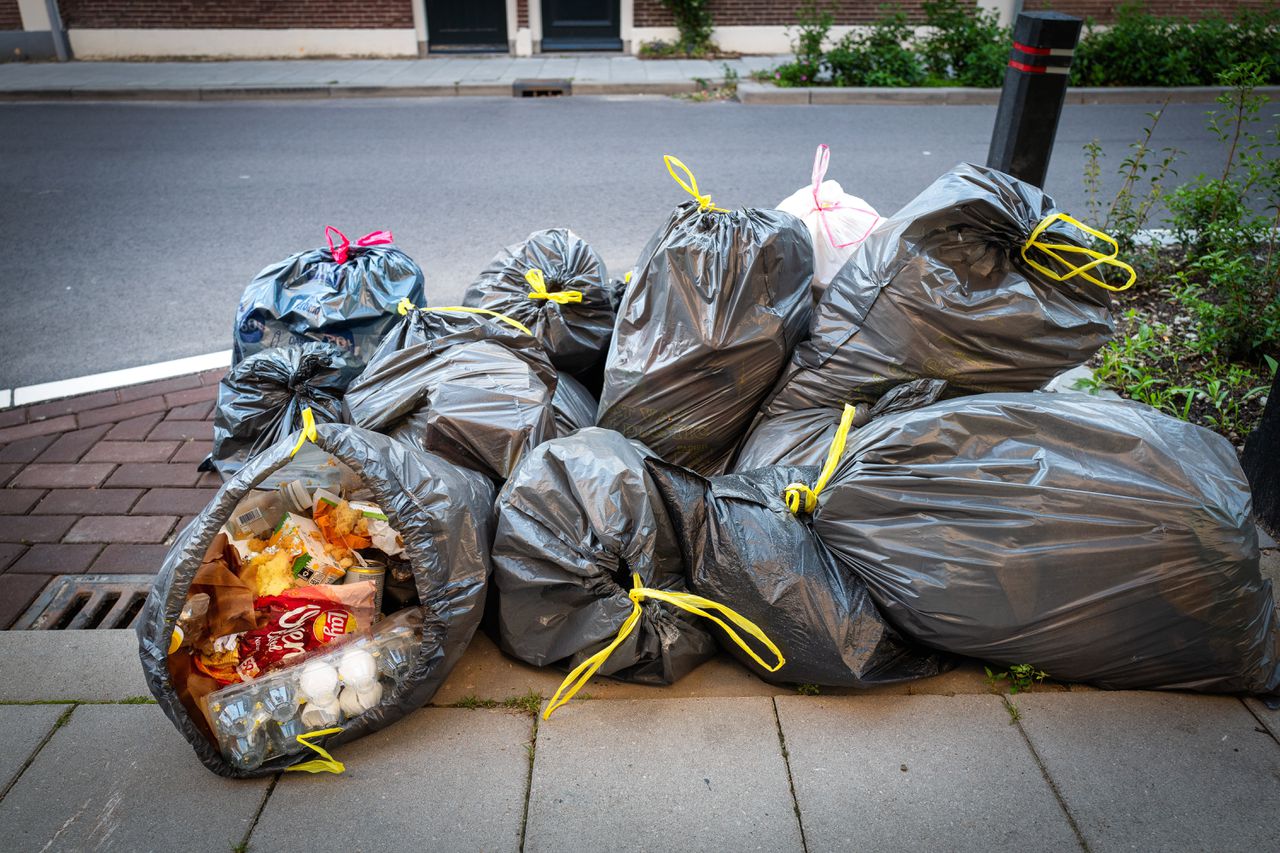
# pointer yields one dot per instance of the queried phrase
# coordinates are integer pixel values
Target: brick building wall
(1103, 11)
(522, 13)
(234, 14)
(10, 18)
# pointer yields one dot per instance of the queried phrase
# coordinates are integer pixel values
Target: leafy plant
(1020, 678)
(696, 24)
(879, 56)
(1142, 49)
(966, 45)
(808, 689)
(812, 29)
(1232, 280)
(1143, 174)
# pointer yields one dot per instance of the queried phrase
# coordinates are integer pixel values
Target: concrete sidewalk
(455, 75)
(717, 762)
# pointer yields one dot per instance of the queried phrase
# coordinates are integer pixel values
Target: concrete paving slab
(120, 777)
(1270, 719)
(100, 666)
(25, 728)
(917, 773)
(667, 774)
(441, 779)
(1159, 771)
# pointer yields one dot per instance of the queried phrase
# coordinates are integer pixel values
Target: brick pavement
(101, 482)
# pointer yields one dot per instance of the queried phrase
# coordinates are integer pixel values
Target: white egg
(318, 682)
(358, 669)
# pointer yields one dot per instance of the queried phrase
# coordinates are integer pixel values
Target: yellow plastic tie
(799, 497)
(704, 201)
(626, 279)
(404, 306)
(539, 285)
(1099, 259)
(308, 430)
(687, 601)
(326, 763)
(503, 317)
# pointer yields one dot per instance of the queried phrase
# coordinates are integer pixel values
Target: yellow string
(1099, 259)
(801, 498)
(326, 763)
(704, 201)
(539, 285)
(503, 317)
(308, 430)
(687, 601)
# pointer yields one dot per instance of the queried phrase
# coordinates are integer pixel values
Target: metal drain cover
(74, 602)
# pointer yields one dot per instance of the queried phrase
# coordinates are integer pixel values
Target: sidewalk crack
(243, 846)
(532, 747)
(1053, 786)
(61, 721)
(1262, 726)
(786, 762)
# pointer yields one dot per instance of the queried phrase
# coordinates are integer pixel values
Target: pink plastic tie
(339, 251)
(376, 238)
(820, 160)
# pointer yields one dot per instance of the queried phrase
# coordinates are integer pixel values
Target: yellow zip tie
(308, 430)
(626, 279)
(539, 285)
(1099, 259)
(503, 317)
(326, 763)
(687, 601)
(704, 201)
(801, 498)
(404, 306)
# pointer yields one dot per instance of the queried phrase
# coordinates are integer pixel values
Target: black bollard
(1035, 86)
(1262, 462)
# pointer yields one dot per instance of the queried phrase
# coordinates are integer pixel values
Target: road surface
(131, 228)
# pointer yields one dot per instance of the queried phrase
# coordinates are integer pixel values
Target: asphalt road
(130, 229)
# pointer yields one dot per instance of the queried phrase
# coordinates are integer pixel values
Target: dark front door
(466, 25)
(580, 25)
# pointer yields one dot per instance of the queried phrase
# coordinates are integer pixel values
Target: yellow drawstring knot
(1099, 259)
(539, 285)
(687, 601)
(326, 763)
(798, 496)
(704, 201)
(308, 430)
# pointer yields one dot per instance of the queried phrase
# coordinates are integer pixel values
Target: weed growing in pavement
(808, 689)
(472, 702)
(530, 703)
(1020, 678)
(725, 91)
(1015, 715)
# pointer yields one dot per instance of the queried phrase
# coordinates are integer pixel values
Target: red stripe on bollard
(1033, 51)
(1030, 69)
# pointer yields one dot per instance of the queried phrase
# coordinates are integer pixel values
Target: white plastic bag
(837, 222)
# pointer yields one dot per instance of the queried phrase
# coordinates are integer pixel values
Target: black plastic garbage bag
(344, 295)
(554, 283)
(1095, 540)
(573, 405)
(744, 547)
(442, 512)
(943, 290)
(577, 518)
(261, 400)
(718, 300)
(468, 386)
(804, 436)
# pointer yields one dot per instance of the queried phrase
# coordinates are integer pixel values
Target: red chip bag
(300, 620)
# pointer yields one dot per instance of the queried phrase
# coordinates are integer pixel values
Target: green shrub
(695, 22)
(1142, 49)
(966, 45)
(878, 57)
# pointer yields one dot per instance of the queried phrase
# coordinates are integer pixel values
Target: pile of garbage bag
(627, 476)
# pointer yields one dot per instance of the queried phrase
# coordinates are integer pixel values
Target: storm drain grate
(78, 602)
(541, 88)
